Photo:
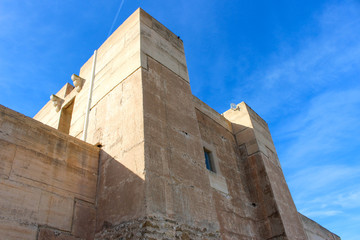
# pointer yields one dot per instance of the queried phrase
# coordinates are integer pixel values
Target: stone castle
(157, 163)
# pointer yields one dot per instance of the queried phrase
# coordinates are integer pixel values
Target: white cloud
(318, 178)
(329, 123)
(326, 60)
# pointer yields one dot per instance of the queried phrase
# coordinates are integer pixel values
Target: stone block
(7, 154)
(155, 192)
(42, 171)
(82, 157)
(218, 182)
(19, 202)
(120, 202)
(33, 206)
(84, 220)
(212, 114)
(247, 137)
(10, 230)
(156, 159)
(55, 211)
(153, 44)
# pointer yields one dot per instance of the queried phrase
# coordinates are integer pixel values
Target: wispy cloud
(322, 60)
(329, 194)
(318, 178)
(328, 125)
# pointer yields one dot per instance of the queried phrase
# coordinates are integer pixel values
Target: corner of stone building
(278, 216)
(163, 46)
(47, 181)
(178, 200)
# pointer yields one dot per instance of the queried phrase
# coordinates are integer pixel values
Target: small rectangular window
(209, 161)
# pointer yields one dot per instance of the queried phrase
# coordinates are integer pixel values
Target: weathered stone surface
(19, 202)
(37, 169)
(120, 193)
(44, 171)
(54, 234)
(32, 206)
(237, 218)
(173, 151)
(162, 45)
(55, 211)
(84, 220)
(152, 228)
(10, 230)
(7, 154)
(278, 212)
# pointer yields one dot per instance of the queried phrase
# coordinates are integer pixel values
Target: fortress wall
(266, 182)
(211, 113)
(116, 123)
(178, 198)
(117, 58)
(177, 187)
(233, 203)
(153, 182)
(47, 181)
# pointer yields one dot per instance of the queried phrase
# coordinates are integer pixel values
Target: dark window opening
(209, 160)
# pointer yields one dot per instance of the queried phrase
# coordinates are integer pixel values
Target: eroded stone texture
(84, 220)
(11, 230)
(54, 234)
(153, 228)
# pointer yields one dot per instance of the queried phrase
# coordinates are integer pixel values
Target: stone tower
(142, 173)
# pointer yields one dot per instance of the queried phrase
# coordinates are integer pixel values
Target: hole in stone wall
(185, 133)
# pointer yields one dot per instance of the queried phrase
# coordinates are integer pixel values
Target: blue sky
(296, 63)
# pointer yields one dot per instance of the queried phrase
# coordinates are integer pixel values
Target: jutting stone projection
(157, 163)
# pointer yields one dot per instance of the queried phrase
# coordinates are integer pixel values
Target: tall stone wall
(235, 209)
(278, 218)
(116, 123)
(177, 187)
(47, 181)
